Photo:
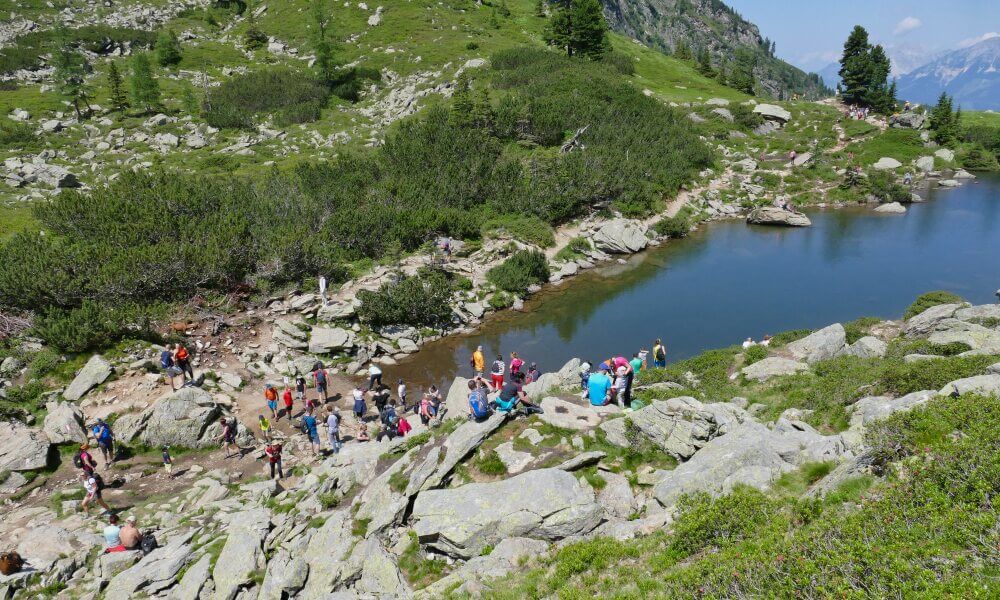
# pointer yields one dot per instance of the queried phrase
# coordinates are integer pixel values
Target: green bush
(520, 270)
(297, 96)
(622, 63)
(978, 158)
(925, 301)
(423, 300)
(529, 229)
(882, 185)
(28, 50)
(574, 249)
(745, 117)
(754, 354)
(92, 326)
(673, 227)
(489, 463)
(16, 135)
(858, 328)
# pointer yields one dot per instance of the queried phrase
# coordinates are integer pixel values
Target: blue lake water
(730, 281)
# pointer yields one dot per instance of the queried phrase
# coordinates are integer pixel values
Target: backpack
(148, 543)
(480, 409)
(661, 353)
(305, 427)
(99, 481)
(321, 377)
(10, 563)
(166, 359)
(78, 460)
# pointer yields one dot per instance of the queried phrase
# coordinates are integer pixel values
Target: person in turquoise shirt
(636, 363)
(598, 386)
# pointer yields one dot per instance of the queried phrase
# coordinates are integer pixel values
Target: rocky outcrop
(773, 112)
(927, 321)
(568, 415)
(22, 448)
(823, 344)
(621, 236)
(547, 504)
(680, 426)
(508, 555)
(242, 554)
(886, 163)
(772, 366)
(326, 340)
(891, 208)
(188, 418)
(459, 445)
(94, 373)
(155, 572)
(870, 409)
(64, 423)
(907, 120)
(985, 385)
(925, 163)
(867, 347)
(772, 215)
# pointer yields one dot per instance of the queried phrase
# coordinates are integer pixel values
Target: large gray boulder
(567, 415)
(867, 347)
(907, 120)
(927, 321)
(621, 236)
(64, 423)
(547, 504)
(981, 340)
(380, 577)
(870, 409)
(456, 403)
(155, 572)
(773, 112)
(925, 163)
(22, 448)
(188, 418)
(773, 366)
(194, 579)
(823, 344)
(680, 426)
(750, 455)
(242, 554)
(887, 163)
(945, 154)
(772, 215)
(326, 340)
(468, 578)
(94, 373)
(982, 311)
(566, 377)
(891, 208)
(986, 385)
(459, 445)
(285, 576)
(327, 554)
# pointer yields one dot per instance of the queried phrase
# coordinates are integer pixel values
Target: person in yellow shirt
(478, 362)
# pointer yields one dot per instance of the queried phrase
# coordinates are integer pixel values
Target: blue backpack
(480, 410)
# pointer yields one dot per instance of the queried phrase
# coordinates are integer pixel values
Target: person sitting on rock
(112, 536)
(479, 405)
(511, 395)
(130, 535)
(599, 387)
(748, 342)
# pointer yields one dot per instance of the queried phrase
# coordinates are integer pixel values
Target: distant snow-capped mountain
(971, 75)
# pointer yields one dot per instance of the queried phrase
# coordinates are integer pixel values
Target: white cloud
(907, 24)
(973, 41)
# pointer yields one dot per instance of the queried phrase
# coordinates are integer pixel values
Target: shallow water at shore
(730, 281)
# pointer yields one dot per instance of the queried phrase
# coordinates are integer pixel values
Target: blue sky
(811, 33)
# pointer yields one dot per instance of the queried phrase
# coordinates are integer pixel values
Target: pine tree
(145, 89)
(168, 48)
(682, 51)
(327, 65)
(482, 112)
(462, 105)
(877, 92)
(855, 71)
(705, 63)
(944, 122)
(253, 38)
(560, 27)
(742, 75)
(578, 27)
(119, 99)
(720, 75)
(71, 74)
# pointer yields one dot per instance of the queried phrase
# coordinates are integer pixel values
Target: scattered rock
(95, 372)
(772, 112)
(772, 215)
(621, 236)
(891, 208)
(22, 448)
(885, 163)
(64, 423)
(945, 154)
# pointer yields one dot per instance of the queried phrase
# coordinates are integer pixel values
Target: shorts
(314, 437)
(172, 371)
(299, 395)
(321, 390)
(104, 445)
(497, 380)
(273, 405)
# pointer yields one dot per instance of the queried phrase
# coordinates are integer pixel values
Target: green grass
(902, 144)
(419, 570)
(668, 78)
(14, 219)
(981, 118)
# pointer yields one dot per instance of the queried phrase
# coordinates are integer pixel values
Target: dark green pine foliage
(864, 73)
(944, 121)
(145, 89)
(71, 74)
(742, 75)
(116, 91)
(705, 63)
(578, 27)
(462, 104)
(168, 48)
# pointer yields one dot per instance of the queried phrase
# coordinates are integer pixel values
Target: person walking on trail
(310, 427)
(300, 387)
(182, 360)
(374, 376)
(265, 427)
(112, 536)
(168, 462)
(515, 364)
(273, 453)
(599, 387)
(478, 362)
(286, 399)
(401, 394)
(170, 369)
(659, 354)
(271, 397)
(93, 485)
(333, 429)
(381, 398)
(228, 437)
(85, 460)
(360, 408)
(105, 441)
(320, 378)
(496, 373)
(479, 406)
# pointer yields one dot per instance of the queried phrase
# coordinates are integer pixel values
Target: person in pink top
(622, 362)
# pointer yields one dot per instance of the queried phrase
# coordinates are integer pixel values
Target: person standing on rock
(182, 359)
(286, 399)
(170, 370)
(320, 378)
(478, 362)
(636, 363)
(322, 289)
(333, 429)
(271, 397)
(300, 387)
(515, 364)
(496, 373)
(168, 462)
(425, 411)
(618, 363)
(228, 437)
(93, 485)
(584, 375)
(360, 408)
(374, 375)
(273, 453)
(533, 373)
(310, 427)
(401, 394)
(105, 441)
(479, 406)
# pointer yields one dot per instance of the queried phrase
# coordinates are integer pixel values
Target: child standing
(168, 463)
(265, 427)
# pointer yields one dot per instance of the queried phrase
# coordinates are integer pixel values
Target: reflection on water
(730, 281)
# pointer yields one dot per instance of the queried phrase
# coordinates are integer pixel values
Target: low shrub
(298, 97)
(94, 325)
(620, 62)
(423, 300)
(929, 299)
(754, 354)
(673, 227)
(978, 158)
(522, 269)
(16, 135)
(858, 328)
(489, 463)
(529, 229)
(745, 117)
(882, 185)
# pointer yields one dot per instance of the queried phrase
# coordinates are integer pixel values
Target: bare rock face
(772, 215)
(547, 504)
(22, 448)
(621, 236)
(823, 344)
(94, 373)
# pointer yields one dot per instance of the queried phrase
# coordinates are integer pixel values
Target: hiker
(584, 374)
(311, 428)
(130, 535)
(300, 387)
(93, 485)
(629, 375)
(643, 355)
(170, 370)
(362, 432)
(436, 400)
(907, 178)
(791, 157)
(479, 406)
(322, 289)
(333, 429)
(320, 377)
(403, 427)
(401, 394)
(112, 536)
(496, 373)
(182, 360)
(636, 363)
(105, 441)
(388, 418)
(478, 362)
(426, 411)
(228, 436)
(265, 427)
(621, 387)
(381, 398)
(271, 397)
(360, 408)
(85, 460)
(748, 342)
(515, 363)
(168, 462)
(766, 340)
(533, 373)
(599, 387)
(374, 375)
(511, 395)
(286, 399)
(273, 453)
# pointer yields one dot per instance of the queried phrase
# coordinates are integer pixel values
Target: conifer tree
(168, 48)
(682, 51)
(144, 87)
(119, 99)
(742, 75)
(462, 105)
(326, 62)
(705, 63)
(578, 27)
(854, 66)
(944, 122)
(482, 111)
(71, 74)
